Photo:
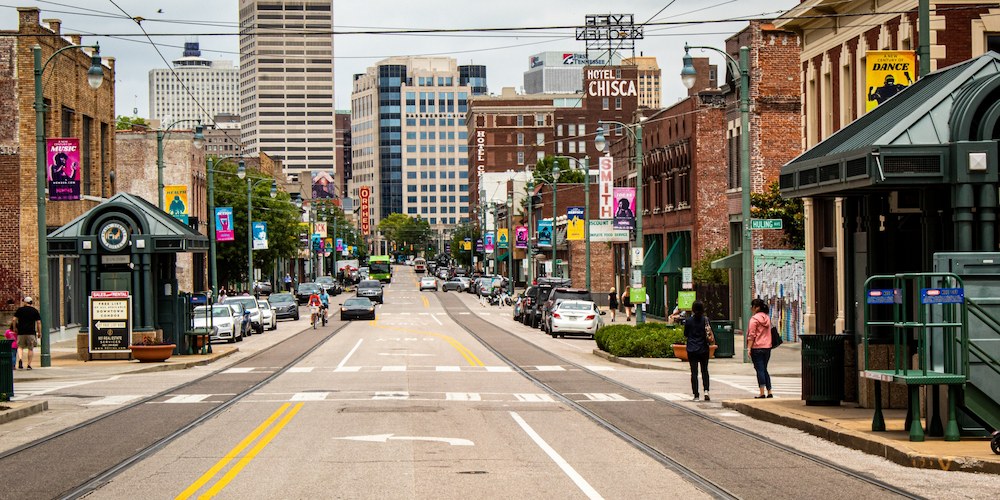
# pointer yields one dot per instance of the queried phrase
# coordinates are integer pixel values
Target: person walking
(613, 303)
(759, 340)
(11, 335)
(288, 282)
(28, 325)
(627, 303)
(696, 332)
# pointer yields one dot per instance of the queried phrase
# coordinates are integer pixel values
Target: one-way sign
(765, 224)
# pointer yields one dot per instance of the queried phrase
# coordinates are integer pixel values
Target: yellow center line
(205, 478)
(222, 483)
(469, 356)
(427, 303)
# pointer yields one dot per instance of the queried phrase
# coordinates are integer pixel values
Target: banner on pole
(545, 233)
(176, 198)
(224, 224)
(340, 245)
(605, 187)
(260, 235)
(503, 238)
(624, 207)
(887, 72)
(521, 237)
(488, 245)
(320, 229)
(63, 172)
(575, 230)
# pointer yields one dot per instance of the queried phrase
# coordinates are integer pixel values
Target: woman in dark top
(697, 347)
(627, 303)
(613, 303)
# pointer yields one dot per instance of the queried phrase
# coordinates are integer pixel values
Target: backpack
(776, 339)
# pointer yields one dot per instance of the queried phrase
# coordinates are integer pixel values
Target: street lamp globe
(599, 141)
(688, 74)
(199, 136)
(297, 201)
(274, 188)
(556, 170)
(241, 170)
(95, 75)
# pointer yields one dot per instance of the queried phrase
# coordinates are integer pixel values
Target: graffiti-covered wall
(780, 279)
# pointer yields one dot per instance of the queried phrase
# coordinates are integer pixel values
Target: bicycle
(313, 315)
(323, 312)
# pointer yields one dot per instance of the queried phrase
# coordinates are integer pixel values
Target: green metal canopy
(731, 261)
(675, 258)
(652, 259)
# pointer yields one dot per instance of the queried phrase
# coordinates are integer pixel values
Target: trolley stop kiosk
(129, 244)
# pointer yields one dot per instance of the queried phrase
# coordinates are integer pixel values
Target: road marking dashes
(188, 398)
(748, 383)
(347, 369)
(673, 396)
(534, 398)
(602, 396)
(499, 369)
(238, 370)
(310, 396)
(301, 369)
(392, 395)
(114, 400)
(553, 368)
(448, 368)
(463, 396)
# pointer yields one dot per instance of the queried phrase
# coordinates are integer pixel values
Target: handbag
(776, 339)
(709, 334)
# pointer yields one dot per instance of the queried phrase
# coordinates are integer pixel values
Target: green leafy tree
(770, 205)
(126, 122)
(702, 272)
(406, 234)
(458, 236)
(338, 227)
(568, 174)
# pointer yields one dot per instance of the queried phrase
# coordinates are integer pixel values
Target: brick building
(73, 110)
(510, 133)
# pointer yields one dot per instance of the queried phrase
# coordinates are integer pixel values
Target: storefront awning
(732, 261)
(675, 258)
(652, 259)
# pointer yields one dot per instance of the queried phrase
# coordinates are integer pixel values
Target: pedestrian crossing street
(24, 390)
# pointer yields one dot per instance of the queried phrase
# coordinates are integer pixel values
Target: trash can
(6, 370)
(724, 338)
(823, 369)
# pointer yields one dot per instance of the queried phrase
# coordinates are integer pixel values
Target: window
(571, 129)
(540, 139)
(520, 157)
(572, 146)
(540, 155)
(520, 121)
(559, 147)
(411, 188)
(559, 130)
(520, 139)
(618, 103)
(539, 120)
(582, 129)
(604, 103)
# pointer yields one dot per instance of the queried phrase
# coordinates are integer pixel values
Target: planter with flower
(152, 350)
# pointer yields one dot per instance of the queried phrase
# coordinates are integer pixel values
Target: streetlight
(241, 172)
(211, 163)
(199, 139)
(95, 77)
(585, 166)
(531, 197)
(510, 244)
(555, 236)
(635, 131)
(688, 77)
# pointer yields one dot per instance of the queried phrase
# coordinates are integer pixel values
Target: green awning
(675, 258)
(652, 259)
(502, 256)
(733, 261)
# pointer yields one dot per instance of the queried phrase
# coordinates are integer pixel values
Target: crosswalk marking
(114, 400)
(673, 396)
(188, 398)
(448, 368)
(392, 395)
(301, 369)
(347, 369)
(553, 368)
(463, 396)
(748, 383)
(534, 398)
(601, 396)
(24, 390)
(499, 369)
(238, 370)
(310, 396)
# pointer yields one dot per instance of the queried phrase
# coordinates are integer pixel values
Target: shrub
(650, 340)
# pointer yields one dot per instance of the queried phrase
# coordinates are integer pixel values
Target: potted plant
(151, 350)
(681, 351)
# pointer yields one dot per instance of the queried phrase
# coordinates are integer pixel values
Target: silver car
(269, 319)
(225, 325)
(575, 317)
(458, 284)
(250, 303)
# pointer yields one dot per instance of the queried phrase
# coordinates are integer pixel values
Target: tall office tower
(409, 137)
(649, 80)
(286, 82)
(195, 89)
(343, 129)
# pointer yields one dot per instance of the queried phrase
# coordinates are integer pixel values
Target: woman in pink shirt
(759, 340)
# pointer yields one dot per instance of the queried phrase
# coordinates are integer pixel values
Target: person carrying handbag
(698, 332)
(758, 338)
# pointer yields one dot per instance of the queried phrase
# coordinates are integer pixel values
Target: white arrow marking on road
(382, 438)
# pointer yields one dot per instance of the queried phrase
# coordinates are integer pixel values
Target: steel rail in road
(665, 430)
(70, 464)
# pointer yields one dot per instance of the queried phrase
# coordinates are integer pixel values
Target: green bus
(380, 268)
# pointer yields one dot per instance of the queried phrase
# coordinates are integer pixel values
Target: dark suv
(533, 313)
(557, 295)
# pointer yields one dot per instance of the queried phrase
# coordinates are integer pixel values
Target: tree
(126, 122)
(568, 174)
(458, 251)
(770, 205)
(404, 232)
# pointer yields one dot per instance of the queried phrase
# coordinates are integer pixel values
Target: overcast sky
(504, 54)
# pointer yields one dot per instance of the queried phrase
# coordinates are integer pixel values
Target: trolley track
(79, 459)
(723, 460)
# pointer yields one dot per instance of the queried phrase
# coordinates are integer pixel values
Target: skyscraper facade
(649, 80)
(286, 82)
(409, 137)
(194, 89)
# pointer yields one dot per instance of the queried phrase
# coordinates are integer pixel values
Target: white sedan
(428, 283)
(223, 322)
(268, 317)
(575, 316)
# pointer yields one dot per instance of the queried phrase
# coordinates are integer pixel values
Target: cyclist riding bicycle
(314, 305)
(325, 304)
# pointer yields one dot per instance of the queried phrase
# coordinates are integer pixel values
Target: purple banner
(224, 224)
(63, 172)
(624, 207)
(521, 237)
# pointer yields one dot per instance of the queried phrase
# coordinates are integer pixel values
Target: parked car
(305, 290)
(330, 284)
(428, 283)
(458, 284)
(284, 306)
(268, 316)
(372, 289)
(533, 314)
(250, 304)
(574, 317)
(225, 326)
(242, 317)
(357, 308)
(558, 295)
(263, 287)
(522, 302)
(443, 273)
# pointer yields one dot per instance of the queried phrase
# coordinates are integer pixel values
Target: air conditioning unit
(905, 202)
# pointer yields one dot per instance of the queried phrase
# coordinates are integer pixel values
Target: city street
(415, 405)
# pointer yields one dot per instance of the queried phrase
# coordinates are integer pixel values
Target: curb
(870, 444)
(19, 409)
(628, 362)
(152, 367)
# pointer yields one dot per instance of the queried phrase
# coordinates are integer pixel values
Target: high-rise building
(409, 137)
(343, 130)
(222, 135)
(286, 82)
(559, 72)
(194, 89)
(649, 80)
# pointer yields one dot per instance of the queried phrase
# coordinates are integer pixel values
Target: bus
(419, 265)
(380, 268)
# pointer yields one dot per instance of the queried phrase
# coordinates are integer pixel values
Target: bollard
(6, 370)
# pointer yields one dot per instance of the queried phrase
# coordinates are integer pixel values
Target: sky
(213, 23)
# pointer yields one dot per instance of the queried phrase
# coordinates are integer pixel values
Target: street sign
(942, 295)
(637, 256)
(687, 279)
(110, 322)
(765, 224)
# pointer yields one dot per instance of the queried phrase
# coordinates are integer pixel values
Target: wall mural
(780, 279)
